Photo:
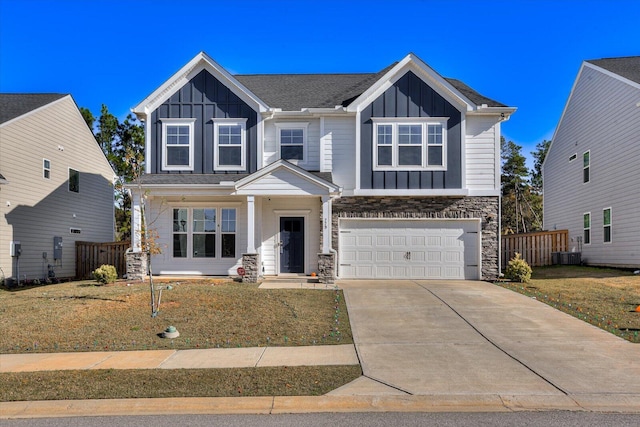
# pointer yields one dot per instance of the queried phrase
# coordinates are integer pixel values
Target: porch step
(290, 279)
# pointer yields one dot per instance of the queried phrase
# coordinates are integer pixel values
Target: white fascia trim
(503, 112)
(444, 192)
(426, 73)
(612, 75)
(564, 110)
(198, 63)
(28, 113)
(186, 191)
(278, 164)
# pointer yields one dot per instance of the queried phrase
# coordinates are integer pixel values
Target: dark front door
(291, 244)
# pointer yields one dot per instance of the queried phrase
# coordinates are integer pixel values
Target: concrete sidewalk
(253, 357)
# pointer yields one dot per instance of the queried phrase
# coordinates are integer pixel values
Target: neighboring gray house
(57, 186)
(394, 174)
(591, 174)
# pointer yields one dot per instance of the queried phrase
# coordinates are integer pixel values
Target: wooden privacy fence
(535, 248)
(91, 255)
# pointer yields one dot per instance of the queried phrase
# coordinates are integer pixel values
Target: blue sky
(523, 53)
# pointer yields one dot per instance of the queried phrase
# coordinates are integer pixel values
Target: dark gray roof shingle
(627, 67)
(14, 105)
(293, 92)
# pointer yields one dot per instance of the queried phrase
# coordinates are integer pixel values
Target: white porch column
(251, 225)
(326, 224)
(136, 223)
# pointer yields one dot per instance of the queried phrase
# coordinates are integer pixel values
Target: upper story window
(292, 141)
(586, 165)
(177, 144)
(409, 143)
(46, 169)
(74, 180)
(230, 144)
(606, 223)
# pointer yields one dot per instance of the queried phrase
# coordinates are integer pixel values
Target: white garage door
(409, 249)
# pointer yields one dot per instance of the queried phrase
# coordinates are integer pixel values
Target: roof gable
(14, 105)
(627, 67)
(200, 62)
(282, 177)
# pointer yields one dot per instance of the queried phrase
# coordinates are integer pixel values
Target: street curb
(318, 404)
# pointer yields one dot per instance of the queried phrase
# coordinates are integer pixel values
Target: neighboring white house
(394, 174)
(57, 189)
(591, 173)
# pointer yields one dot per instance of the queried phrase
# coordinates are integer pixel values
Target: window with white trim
(292, 141)
(606, 224)
(177, 144)
(586, 218)
(586, 166)
(230, 144)
(409, 143)
(46, 169)
(204, 232)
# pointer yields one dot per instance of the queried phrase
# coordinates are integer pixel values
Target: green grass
(606, 298)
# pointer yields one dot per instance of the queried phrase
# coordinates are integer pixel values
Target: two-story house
(57, 189)
(393, 174)
(590, 174)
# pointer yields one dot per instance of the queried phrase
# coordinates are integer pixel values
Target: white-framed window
(230, 144)
(586, 219)
(292, 141)
(586, 166)
(177, 144)
(606, 224)
(74, 180)
(414, 143)
(46, 169)
(204, 232)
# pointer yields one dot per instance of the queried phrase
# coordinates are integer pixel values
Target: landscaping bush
(518, 269)
(105, 274)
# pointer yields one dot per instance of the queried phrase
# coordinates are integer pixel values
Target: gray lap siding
(483, 208)
(204, 98)
(411, 97)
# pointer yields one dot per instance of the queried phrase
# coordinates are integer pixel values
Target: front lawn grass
(606, 298)
(86, 316)
(155, 383)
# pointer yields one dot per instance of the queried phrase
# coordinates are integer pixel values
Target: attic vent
(573, 157)
(75, 230)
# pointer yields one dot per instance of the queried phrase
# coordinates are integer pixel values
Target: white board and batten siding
(409, 249)
(602, 116)
(35, 209)
(482, 148)
(271, 151)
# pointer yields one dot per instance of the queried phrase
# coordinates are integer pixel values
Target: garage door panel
(437, 249)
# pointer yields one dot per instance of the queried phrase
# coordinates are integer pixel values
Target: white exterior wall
(341, 135)
(601, 116)
(272, 209)
(33, 209)
(481, 150)
(160, 218)
(271, 151)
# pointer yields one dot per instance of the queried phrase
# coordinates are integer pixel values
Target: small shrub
(105, 274)
(518, 269)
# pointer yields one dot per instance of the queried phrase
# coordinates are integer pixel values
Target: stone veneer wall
(485, 208)
(136, 265)
(327, 268)
(251, 265)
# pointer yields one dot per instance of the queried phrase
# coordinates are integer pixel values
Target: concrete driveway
(475, 338)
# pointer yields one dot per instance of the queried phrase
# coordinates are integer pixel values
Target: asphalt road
(546, 419)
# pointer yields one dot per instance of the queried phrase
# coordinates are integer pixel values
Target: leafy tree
(123, 145)
(521, 207)
(538, 158)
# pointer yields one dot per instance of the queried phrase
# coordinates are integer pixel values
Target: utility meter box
(57, 248)
(15, 249)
